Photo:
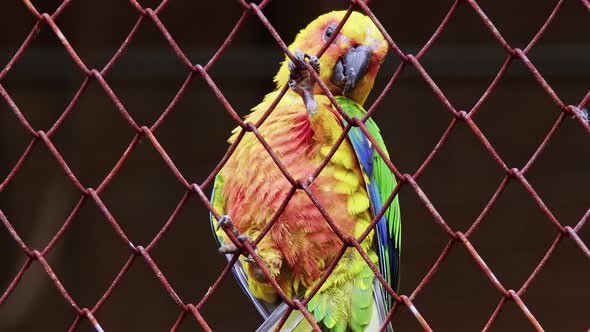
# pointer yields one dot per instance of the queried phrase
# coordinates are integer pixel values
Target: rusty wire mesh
(198, 192)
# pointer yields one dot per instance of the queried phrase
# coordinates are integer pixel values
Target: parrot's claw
(314, 62)
(301, 81)
(250, 259)
(300, 59)
(244, 237)
(224, 221)
(299, 75)
(228, 249)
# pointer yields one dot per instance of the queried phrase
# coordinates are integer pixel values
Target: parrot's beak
(351, 67)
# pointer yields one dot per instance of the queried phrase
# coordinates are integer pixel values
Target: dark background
(512, 239)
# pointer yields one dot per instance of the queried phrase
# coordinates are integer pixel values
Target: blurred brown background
(460, 181)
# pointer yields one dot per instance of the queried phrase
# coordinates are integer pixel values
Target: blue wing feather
(363, 149)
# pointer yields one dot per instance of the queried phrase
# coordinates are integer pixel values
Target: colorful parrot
(352, 188)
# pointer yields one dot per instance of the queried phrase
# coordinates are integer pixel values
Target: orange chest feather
(255, 189)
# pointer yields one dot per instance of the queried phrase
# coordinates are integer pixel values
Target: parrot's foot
(301, 81)
(226, 223)
(271, 260)
(228, 249)
(258, 274)
(272, 264)
(250, 259)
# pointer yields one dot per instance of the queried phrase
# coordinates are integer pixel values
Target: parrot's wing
(380, 183)
(218, 201)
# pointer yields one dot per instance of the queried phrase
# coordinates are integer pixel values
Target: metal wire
(253, 11)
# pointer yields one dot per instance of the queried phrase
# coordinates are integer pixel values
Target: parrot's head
(350, 64)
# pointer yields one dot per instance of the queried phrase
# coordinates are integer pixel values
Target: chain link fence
(191, 308)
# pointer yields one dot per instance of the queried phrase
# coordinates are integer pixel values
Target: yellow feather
(348, 177)
(358, 202)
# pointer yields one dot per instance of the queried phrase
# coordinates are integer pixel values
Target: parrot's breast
(301, 240)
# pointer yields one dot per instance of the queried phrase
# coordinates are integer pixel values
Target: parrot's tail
(297, 323)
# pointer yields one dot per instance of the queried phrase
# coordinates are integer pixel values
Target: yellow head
(350, 64)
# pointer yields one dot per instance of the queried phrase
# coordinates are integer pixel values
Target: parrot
(352, 187)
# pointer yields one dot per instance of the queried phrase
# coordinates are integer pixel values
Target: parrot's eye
(329, 31)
